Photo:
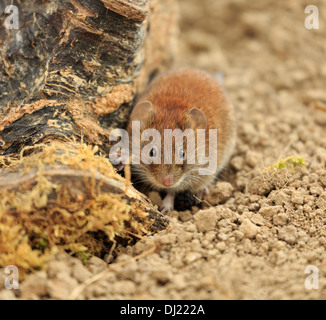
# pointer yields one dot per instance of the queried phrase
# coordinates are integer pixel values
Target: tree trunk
(70, 73)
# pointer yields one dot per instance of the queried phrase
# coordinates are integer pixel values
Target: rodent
(183, 99)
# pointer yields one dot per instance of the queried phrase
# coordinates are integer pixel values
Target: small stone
(222, 236)
(207, 282)
(226, 213)
(248, 229)
(192, 257)
(252, 158)
(279, 197)
(96, 265)
(162, 276)
(321, 202)
(237, 163)
(289, 234)
(210, 236)
(307, 208)
(205, 220)
(278, 257)
(315, 189)
(254, 206)
(257, 219)
(259, 186)
(269, 211)
(297, 197)
(238, 235)
(221, 192)
(221, 246)
(191, 228)
(280, 219)
(212, 253)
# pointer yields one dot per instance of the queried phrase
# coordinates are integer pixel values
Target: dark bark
(85, 57)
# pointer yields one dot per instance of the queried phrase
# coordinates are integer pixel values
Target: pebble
(280, 219)
(252, 158)
(248, 229)
(221, 246)
(297, 197)
(192, 257)
(279, 197)
(269, 211)
(289, 234)
(221, 192)
(162, 276)
(237, 163)
(205, 220)
(258, 219)
(96, 265)
(238, 235)
(321, 202)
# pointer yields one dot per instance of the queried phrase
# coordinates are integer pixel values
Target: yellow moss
(28, 216)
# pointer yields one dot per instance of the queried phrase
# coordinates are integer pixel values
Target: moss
(83, 256)
(60, 214)
(41, 244)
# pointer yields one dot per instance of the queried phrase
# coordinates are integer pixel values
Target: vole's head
(166, 159)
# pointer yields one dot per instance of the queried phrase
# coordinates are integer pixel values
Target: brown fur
(172, 95)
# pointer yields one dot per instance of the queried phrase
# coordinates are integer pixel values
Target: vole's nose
(168, 180)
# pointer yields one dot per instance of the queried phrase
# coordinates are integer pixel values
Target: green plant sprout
(289, 162)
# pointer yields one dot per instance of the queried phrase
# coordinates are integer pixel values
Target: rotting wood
(70, 73)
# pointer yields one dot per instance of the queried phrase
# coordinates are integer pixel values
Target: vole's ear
(196, 119)
(143, 112)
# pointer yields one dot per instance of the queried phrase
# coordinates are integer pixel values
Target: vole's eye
(182, 154)
(152, 153)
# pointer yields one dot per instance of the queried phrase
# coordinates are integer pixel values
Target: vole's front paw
(167, 203)
(166, 209)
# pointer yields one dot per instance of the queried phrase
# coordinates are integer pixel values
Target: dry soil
(260, 228)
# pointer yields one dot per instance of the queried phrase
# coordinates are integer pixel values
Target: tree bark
(74, 67)
(70, 72)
